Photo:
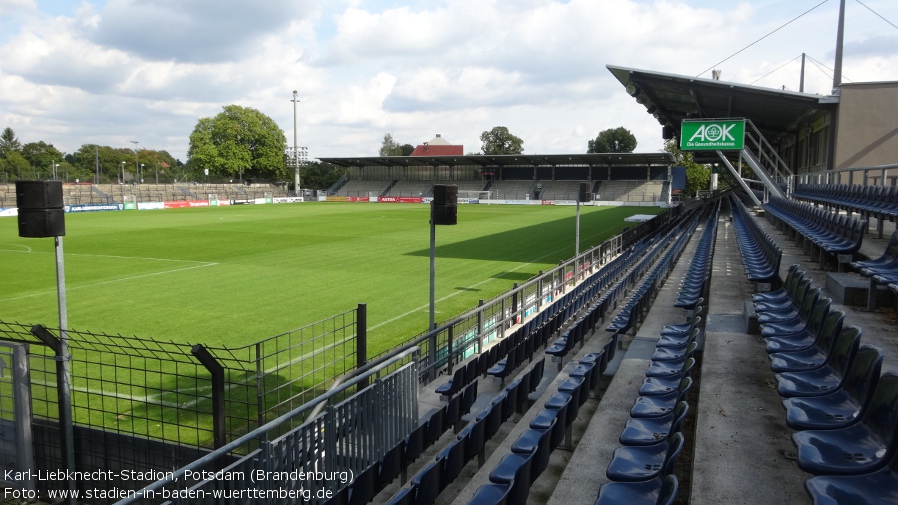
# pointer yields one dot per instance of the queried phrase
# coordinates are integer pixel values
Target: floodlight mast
(295, 149)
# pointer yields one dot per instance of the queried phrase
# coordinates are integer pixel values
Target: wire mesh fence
(142, 405)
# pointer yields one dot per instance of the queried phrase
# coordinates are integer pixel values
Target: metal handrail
(262, 431)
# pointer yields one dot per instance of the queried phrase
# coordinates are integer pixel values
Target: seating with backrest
(814, 357)
(652, 430)
(363, 485)
(796, 317)
(427, 483)
(390, 466)
(862, 447)
(454, 384)
(843, 406)
(828, 377)
(787, 291)
(452, 457)
(877, 487)
(794, 300)
(661, 405)
(806, 337)
(657, 491)
(670, 366)
(514, 470)
(634, 463)
(405, 496)
(474, 435)
(414, 446)
(659, 386)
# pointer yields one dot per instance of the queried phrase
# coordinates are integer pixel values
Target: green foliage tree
(698, 177)
(41, 156)
(9, 142)
(320, 175)
(239, 140)
(15, 166)
(612, 140)
(390, 147)
(500, 141)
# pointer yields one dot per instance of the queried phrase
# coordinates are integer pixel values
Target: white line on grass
(112, 281)
(24, 249)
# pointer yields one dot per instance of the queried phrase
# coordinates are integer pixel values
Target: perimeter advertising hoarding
(712, 135)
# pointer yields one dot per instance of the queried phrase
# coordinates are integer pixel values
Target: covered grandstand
(627, 177)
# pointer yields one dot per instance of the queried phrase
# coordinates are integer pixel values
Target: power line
(877, 14)
(775, 69)
(765, 36)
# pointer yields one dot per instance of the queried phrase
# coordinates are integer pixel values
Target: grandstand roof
(673, 98)
(554, 160)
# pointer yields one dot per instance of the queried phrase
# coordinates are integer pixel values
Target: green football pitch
(231, 276)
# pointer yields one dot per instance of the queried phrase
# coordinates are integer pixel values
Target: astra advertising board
(712, 135)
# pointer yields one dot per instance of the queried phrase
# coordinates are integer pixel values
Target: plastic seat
(538, 442)
(790, 283)
(452, 457)
(675, 353)
(843, 406)
(656, 386)
(814, 357)
(514, 470)
(405, 496)
(658, 491)
(862, 447)
(670, 367)
(876, 488)
(390, 466)
(807, 336)
(474, 435)
(453, 385)
(793, 302)
(828, 377)
(792, 320)
(641, 463)
(653, 430)
(363, 486)
(427, 483)
(661, 405)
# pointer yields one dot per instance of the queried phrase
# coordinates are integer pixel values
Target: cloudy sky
(109, 72)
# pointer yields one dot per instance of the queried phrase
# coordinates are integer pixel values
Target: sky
(116, 71)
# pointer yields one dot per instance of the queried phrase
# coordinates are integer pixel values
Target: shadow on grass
(524, 245)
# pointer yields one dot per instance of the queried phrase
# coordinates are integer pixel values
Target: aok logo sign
(712, 135)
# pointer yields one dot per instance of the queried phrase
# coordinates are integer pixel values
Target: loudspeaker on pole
(445, 204)
(40, 209)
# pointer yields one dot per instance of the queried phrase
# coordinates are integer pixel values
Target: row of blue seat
(396, 460)
(881, 271)
(650, 272)
(696, 281)
(844, 409)
(641, 470)
(761, 255)
(876, 201)
(831, 233)
(426, 485)
(528, 456)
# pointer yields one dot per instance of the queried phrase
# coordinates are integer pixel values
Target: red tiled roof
(431, 150)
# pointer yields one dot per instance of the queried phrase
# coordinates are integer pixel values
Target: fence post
(206, 359)
(64, 397)
(361, 341)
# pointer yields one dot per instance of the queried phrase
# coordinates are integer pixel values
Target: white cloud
(149, 70)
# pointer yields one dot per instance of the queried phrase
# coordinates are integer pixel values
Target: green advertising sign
(713, 135)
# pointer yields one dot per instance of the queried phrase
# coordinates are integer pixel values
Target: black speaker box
(39, 195)
(41, 223)
(584, 192)
(40, 209)
(445, 214)
(445, 195)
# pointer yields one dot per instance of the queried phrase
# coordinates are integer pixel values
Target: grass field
(230, 276)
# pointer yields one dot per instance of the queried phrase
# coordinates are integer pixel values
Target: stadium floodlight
(295, 151)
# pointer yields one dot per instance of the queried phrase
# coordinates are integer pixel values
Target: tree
(698, 177)
(15, 165)
(612, 140)
(41, 156)
(239, 140)
(320, 175)
(8, 142)
(389, 147)
(500, 141)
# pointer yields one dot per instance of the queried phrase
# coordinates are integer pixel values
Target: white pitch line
(112, 281)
